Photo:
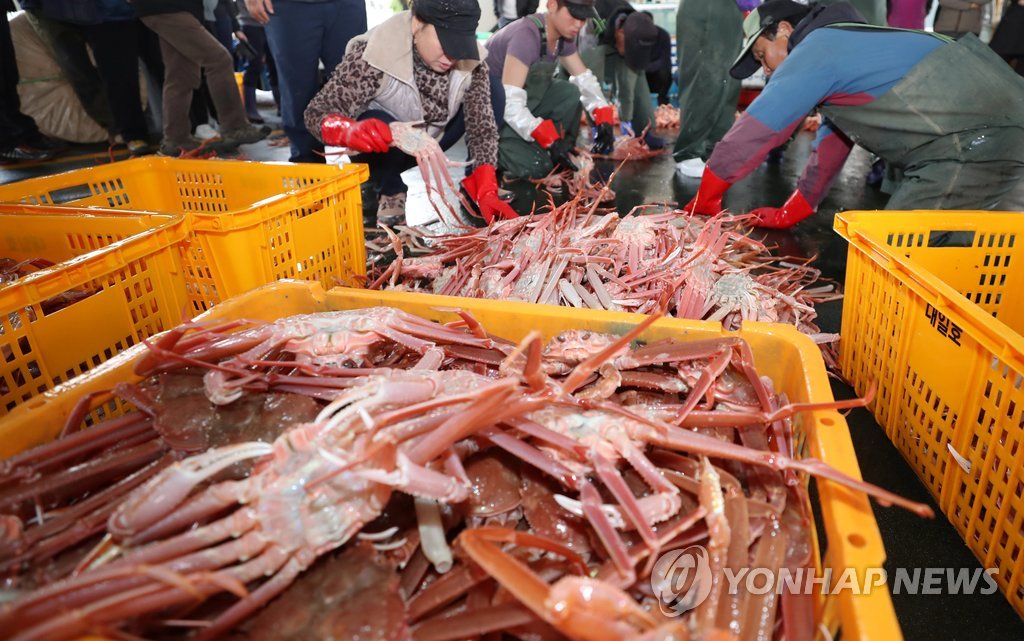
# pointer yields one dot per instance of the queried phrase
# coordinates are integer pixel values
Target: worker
(419, 65)
(948, 115)
(618, 54)
(541, 112)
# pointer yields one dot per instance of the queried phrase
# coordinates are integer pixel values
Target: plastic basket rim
(995, 335)
(165, 234)
(853, 610)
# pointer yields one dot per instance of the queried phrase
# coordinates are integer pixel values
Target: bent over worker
(541, 112)
(948, 115)
(618, 53)
(417, 66)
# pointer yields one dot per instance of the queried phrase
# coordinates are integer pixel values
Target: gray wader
(953, 127)
(706, 36)
(546, 97)
(635, 104)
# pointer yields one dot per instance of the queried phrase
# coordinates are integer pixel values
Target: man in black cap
(423, 66)
(620, 46)
(541, 113)
(947, 115)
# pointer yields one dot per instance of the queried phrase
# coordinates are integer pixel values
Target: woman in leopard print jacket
(419, 65)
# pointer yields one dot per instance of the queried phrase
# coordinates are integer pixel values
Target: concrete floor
(910, 541)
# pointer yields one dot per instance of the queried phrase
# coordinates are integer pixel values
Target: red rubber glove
(796, 209)
(708, 200)
(482, 187)
(604, 115)
(545, 134)
(366, 136)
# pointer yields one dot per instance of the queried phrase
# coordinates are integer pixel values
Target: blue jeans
(300, 35)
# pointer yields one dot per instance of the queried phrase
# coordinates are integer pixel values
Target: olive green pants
(560, 103)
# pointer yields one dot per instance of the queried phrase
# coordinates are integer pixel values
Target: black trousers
(116, 48)
(15, 127)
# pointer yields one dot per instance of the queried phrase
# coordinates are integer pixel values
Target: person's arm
(522, 121)
(481, 129)
(831, 148)
(795, 88)
(594, 102)
(330, 115)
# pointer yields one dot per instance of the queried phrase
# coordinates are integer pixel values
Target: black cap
(770, 13)
(581, 9)
(641, 35)
(455, 21)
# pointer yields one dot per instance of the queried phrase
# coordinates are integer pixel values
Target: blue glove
(626, 128)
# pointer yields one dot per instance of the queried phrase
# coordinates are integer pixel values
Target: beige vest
(389, 49)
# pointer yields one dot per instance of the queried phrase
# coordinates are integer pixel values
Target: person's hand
(793, 211)
(482, 187)
(560, 151)
(626, 129)
(559, 148)
(260, 10)
(708, 200)
(241, 36)
(604, 141)
(366, 136)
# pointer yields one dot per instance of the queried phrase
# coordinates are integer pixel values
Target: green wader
(630, 87)
(874, 11)
(708, 43)
(953, 127)
(546, 97)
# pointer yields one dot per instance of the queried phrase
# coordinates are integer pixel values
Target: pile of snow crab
(666, 117)
(421, 480)
(575, 257)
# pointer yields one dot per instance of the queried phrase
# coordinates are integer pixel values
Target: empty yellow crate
(252, 223)
(930, 315)
(131, 261)
(789, 358)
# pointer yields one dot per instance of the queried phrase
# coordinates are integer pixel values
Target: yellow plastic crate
(789, 358)
(253, 223)
(930, 314)
(132, 260)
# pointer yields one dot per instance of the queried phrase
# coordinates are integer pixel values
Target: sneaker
(391, 209)
(692, 168)
(245, 135)
(24, 153)
(138, 148)
(205, 132)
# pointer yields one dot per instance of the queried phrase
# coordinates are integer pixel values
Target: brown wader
(546, 97)
(953, 127)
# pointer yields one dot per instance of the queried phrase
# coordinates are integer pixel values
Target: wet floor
(910, 541)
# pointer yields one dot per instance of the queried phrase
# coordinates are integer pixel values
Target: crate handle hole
(828, 421)
(950, 238)
(856, 540)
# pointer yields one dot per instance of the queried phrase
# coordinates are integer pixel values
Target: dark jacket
(158, 7)
(661, 54)
(523, 7)
(822, 16)
(609, 11)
